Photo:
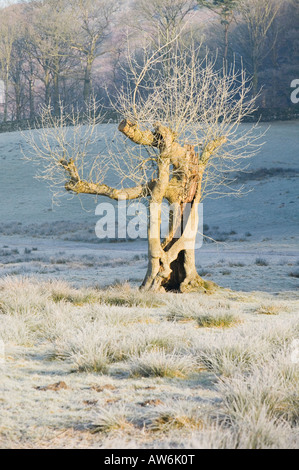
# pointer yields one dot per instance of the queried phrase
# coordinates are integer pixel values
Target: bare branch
(134, 133)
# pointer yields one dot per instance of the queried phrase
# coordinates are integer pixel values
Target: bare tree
(225, 10)
(18, 77)
(184, 118)
(30, 71)
(91, 21)
(162, 19)
(8, 34)
(258, 16)
(50, 29)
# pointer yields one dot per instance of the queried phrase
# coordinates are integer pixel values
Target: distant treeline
(61, 51)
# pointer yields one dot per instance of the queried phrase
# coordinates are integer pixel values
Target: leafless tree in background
(258, 17)
(71, 50)
(163, 19)
(50, 33)
(91, 23)
(225, 10)
(9, 21)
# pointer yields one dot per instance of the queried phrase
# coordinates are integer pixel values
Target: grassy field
(118, 368)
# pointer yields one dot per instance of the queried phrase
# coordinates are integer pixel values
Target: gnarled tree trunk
(171, 262)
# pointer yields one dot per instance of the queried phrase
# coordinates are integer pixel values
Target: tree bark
(226, 27)
(6, 95)
(56, 96)
(171, 263)
(87, 81)
(18, 101)
(31, 92)
(47, 88)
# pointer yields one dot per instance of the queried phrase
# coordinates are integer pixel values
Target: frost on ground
(84, 365)
(37, 238)
(119, 368)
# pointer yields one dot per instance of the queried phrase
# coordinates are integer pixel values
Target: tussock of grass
(258, 431)
(128, 297)
(168, 420)
(74, 298)
(191, 307)
(164, 336)
(61, 291)
(226, 272)
(178, 422)
(180, 415)
(280, 335)
(255, 396)
(120, 317)
(261, 262)
(220, 320)
(94, 346)
(111, 420)
(91, 348)
(17, 330)
(268, 310)
(157, 363)
(215, 314)
(225, 360)
(236, 264)
(294, 274)
(20, 296)
(265, 400)
(87, 351)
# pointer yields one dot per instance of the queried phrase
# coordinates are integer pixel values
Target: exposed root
(193, 284)
(197, 284)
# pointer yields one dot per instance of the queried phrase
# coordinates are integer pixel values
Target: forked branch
(134, 133)
(76, 185)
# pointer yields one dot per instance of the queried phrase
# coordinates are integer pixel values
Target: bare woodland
(54, 50)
